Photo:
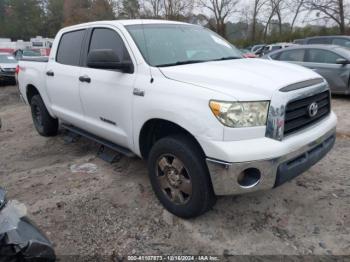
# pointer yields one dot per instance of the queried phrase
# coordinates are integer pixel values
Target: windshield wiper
(183, 63)
(227, 58)
(199, 61)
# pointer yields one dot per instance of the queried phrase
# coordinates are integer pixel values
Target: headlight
(241, 114)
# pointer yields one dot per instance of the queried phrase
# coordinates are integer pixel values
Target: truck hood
(243, 79)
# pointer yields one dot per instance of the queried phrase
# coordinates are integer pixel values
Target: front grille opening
(297, 112)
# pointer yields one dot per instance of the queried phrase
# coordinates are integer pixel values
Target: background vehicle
(20, 239)
(299, 41)
(8, 65)
(27, 54)
(332, 62)
(270, 48)
(340, 40)
(248, 54)
(208, 122)
(43, 45)
(257, 47)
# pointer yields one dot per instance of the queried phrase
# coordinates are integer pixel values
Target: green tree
(3, 8)
(76, 11)
(102, 10)
(23, 19)
(54, 17)
(80, 11)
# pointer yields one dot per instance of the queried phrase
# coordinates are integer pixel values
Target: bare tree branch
(221, 10)
(333, 9)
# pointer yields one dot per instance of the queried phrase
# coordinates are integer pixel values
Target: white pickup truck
(208, 122)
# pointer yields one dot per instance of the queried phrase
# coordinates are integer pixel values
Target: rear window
(31, 53)
(68, 52)
(323, 41)
(342, 42)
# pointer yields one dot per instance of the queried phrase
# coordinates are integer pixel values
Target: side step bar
(102, 141)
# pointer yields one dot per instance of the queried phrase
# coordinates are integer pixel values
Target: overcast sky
(304, 18)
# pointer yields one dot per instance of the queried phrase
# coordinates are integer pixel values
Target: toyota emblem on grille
(313, 109)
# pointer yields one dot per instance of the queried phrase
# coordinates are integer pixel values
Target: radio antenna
(146, 47)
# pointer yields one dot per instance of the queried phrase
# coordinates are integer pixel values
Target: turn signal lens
(215, 107)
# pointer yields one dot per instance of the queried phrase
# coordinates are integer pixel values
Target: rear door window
(321, 56)
(292, 55)
(69, 49)
(104, 38)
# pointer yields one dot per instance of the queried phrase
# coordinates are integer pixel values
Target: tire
(45, 124)
(180, 177)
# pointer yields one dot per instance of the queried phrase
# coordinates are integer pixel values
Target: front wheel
(180, 177)
(43, 122)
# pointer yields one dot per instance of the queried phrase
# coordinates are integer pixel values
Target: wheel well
(156, 129)
(31, 91)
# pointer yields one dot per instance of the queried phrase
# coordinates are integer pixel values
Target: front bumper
(273, 171)
(6, 76)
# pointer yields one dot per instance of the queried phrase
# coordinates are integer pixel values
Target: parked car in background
(27, 54)
(248, 54)
(340, 40)
(273, 47)
(8, 65)
(332, 62)
(257, 47)
(299, 41)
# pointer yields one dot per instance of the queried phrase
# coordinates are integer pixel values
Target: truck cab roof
(126, 23)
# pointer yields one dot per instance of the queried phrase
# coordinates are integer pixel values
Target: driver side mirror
(342, 61)
(2, 198)
(108, 59)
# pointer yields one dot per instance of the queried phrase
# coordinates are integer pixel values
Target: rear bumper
(266, 174)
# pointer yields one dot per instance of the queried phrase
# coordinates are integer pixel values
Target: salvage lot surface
(87, 206)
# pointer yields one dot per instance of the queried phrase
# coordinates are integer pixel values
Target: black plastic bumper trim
(298, 165)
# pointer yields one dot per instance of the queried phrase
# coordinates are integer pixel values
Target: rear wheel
(180, 177)
(43, 122)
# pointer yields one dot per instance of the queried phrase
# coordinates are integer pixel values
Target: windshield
(7, 59)
(167, 45)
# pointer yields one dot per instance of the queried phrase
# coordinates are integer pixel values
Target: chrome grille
(298, 113)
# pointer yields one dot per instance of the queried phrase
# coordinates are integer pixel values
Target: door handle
(138, 92)
(50, 73)
(85, 79)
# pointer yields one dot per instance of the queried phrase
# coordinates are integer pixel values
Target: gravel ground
(89, 207)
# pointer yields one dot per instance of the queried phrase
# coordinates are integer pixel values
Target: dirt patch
(8, 95)
(89, 207)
